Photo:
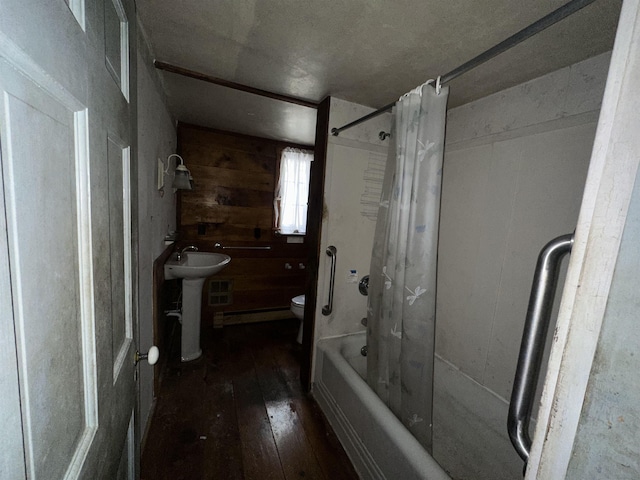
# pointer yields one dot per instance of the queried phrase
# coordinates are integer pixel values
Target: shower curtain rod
(527, 32)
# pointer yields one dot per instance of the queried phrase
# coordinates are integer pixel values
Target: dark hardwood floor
(239, 413)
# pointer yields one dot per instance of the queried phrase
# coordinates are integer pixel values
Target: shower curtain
(402, 285)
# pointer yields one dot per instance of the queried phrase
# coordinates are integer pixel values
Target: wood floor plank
(239, 413)
(296, 453)
(331, 456)
(175, 449)
(259, 452)
(223, 447)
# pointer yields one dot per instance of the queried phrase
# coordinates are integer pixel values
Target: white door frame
(610, 182)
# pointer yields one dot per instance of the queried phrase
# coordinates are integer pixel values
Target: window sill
(280, 234)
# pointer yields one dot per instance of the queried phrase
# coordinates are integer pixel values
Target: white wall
(514, 172)
(348, 220)
(156, 213)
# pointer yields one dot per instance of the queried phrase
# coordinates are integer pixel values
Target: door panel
(11, 447)
(119, 236)
(41, 205)
(126, 467)
(67, 340)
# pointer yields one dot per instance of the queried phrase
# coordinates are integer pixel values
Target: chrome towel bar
(266, 247)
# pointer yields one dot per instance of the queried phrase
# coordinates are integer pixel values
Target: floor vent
(220, 292)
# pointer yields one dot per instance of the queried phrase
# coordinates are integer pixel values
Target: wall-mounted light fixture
(182, 176)
(182, 179)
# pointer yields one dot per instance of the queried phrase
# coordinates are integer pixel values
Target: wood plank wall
(161, 296)
(232, 204)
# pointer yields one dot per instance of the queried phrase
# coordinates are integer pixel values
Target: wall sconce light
(181, 176)
(182, 179)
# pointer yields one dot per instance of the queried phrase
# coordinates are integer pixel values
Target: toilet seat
(297, 308)
(298, 301)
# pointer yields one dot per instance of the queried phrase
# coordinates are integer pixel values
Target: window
(292, 192)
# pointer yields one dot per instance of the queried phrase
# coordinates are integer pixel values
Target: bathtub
(377, 443)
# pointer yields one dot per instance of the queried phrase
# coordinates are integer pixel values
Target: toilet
(297, 308)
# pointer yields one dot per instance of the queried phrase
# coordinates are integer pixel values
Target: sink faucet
(190, 248)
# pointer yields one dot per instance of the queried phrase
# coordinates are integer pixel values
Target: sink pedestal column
(193, 268)
(191, 307)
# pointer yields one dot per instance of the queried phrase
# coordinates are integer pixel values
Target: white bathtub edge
(410, 451)
(363, 463)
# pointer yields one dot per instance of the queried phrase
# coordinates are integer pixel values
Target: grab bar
(536, 326)
(331, 251)
(218, 245)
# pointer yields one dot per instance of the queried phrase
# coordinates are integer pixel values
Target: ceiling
(364, 51)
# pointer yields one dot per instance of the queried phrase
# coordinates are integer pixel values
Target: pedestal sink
(193, 268)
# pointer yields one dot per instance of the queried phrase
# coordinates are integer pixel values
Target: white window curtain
(292, 193)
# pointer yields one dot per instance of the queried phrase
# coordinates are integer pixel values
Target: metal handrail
(327, 309)
(536, 325)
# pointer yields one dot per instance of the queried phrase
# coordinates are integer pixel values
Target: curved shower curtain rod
(552, 18)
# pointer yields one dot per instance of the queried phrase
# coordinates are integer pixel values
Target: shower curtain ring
(428, 82)
(438, 85)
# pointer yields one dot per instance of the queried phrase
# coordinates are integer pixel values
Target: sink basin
(195, 265)
(193, 268)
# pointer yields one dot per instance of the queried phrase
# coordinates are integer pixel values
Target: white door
(66, 316)
(580, 432)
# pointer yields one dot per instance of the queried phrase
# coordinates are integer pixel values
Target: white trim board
(610, 182)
